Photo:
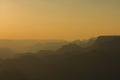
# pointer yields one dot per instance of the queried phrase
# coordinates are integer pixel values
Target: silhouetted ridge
(108, 42)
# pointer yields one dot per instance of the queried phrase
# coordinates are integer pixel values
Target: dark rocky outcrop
(108, 42)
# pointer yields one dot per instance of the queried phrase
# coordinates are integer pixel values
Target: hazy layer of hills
(9, 48)
(100, 60)
(26, 45)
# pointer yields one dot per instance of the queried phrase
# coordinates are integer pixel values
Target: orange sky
(58, 19)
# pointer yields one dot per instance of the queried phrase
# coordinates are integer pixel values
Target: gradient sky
(58, 19)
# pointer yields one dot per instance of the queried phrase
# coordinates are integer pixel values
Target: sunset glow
(58, 19)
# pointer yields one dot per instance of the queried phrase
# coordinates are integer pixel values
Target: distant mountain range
(9, 48)
(98, 61)
(13, 47)
(22, 46)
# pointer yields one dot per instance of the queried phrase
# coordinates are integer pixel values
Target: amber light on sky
(58, 19)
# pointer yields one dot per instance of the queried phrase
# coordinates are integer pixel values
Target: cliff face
(108, 42)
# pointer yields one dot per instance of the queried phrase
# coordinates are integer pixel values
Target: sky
(58, 19)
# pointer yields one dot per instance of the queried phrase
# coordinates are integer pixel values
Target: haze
(58, 19)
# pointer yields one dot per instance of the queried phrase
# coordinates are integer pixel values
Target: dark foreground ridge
(108, 41)
(101, 61)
